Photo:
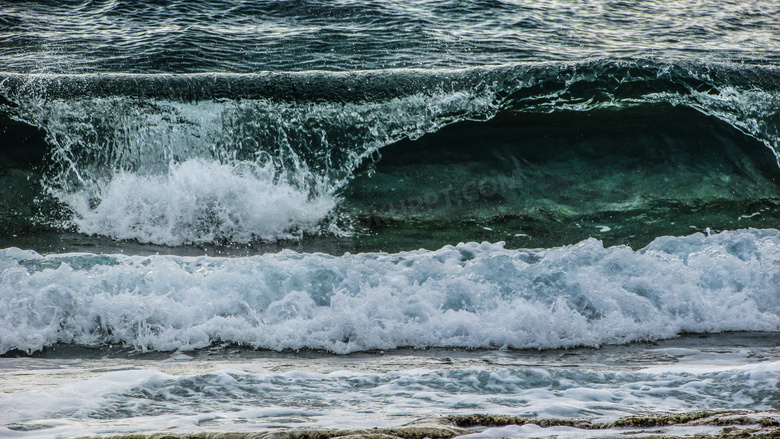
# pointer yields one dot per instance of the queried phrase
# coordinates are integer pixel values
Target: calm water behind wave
(247, 36)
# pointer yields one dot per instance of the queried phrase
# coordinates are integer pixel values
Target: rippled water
(247, 36)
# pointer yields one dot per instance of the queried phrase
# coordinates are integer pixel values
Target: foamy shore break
(711, 424)
(473, 295)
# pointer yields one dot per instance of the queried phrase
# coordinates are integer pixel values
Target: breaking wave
(470, 295)
(117, 140)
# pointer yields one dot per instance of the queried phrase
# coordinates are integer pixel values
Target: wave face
(469, 295)
(124, 154)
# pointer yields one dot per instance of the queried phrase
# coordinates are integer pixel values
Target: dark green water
(624, 174)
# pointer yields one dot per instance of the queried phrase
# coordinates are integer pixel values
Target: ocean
(275, 217)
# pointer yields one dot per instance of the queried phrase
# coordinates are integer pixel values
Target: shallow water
(104, 391)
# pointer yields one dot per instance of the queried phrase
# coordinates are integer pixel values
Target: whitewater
(469, 296)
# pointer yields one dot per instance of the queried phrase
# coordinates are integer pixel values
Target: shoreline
(229, 392)
(708, 424)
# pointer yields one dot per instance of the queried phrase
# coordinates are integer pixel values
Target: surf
(329, 139)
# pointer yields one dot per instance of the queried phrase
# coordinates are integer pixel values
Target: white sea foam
(199, 201)
(144, 400)
(470, 295)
